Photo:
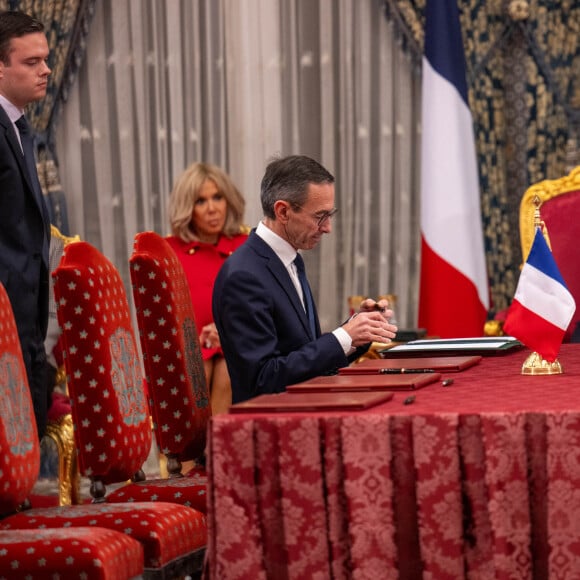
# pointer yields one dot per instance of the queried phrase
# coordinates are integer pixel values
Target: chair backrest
(105, 382)
(19, 446)
(560, 212)
(172, 358)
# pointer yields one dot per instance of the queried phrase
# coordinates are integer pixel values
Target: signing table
(476, 480)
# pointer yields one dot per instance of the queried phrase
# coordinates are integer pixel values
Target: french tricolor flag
(454, 293)
(542, 307)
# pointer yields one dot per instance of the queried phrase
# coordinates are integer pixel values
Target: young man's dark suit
(267, 343)
(24, 242)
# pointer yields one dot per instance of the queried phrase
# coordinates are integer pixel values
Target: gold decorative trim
(56, 233)
(62, 433)
(544, 190)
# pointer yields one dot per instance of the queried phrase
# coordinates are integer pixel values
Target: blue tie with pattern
(306, 292)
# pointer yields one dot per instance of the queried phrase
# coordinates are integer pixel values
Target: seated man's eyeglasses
(320, 217)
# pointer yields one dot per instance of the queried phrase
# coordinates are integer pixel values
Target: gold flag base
(535, 364)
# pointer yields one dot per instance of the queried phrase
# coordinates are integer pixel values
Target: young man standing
(24, 221)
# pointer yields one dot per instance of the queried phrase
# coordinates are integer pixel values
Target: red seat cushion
(189, 491)
(166, 531)
(90, 553)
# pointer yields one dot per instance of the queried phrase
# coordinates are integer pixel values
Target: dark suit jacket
(23, 264)
(263, 328)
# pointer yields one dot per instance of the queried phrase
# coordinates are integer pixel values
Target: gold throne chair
(558, 204)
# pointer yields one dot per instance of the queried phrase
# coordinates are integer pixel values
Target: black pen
(404, 371)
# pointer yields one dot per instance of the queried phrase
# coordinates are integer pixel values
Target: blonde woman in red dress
(206, 213)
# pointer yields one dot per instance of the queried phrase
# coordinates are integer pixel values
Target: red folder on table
(365, 382)
(442, 364)
(300, 402)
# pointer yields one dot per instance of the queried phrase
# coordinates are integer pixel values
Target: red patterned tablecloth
(477, 480)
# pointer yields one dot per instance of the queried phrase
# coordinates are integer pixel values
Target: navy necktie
(28, 150)
(306, 292)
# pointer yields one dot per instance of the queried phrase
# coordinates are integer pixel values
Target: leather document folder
(288, 402)
(365, 382)
(485, 346)
(442, 364)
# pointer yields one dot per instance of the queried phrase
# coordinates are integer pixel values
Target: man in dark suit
(24, 222)
(262, 304)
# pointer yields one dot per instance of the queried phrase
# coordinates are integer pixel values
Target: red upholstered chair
(111, 417)
(89, 552)
(178, 393)
(559, 210)
(106, 383)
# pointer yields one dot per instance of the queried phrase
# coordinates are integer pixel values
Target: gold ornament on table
(535, 364)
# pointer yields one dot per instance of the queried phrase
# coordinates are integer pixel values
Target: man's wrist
(344, 339)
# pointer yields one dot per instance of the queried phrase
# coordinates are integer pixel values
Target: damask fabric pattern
(426, 490)
(526, 110)
(89, 553)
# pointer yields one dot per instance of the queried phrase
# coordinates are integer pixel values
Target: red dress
(201, 263)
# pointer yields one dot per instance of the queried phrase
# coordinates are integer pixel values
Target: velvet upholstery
(110, 410)
(89, 553)
(19, 448)
(559, 210)
(166, 531)
(178, 393)
(179, 396)
(111, 416)
(37, 554)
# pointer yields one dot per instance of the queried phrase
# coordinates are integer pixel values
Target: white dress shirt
(287, 253)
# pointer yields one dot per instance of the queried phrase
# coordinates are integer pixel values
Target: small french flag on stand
(542, 307)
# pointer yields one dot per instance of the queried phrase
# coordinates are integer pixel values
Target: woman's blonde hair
(186, 192)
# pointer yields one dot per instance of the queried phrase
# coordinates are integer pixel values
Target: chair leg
(62, 433)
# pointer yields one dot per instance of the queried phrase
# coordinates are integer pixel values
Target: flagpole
(535, 363)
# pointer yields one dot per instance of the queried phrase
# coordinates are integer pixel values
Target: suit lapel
(280, 275)
(12, 140)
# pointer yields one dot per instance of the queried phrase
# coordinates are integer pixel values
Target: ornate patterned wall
(523, 60)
